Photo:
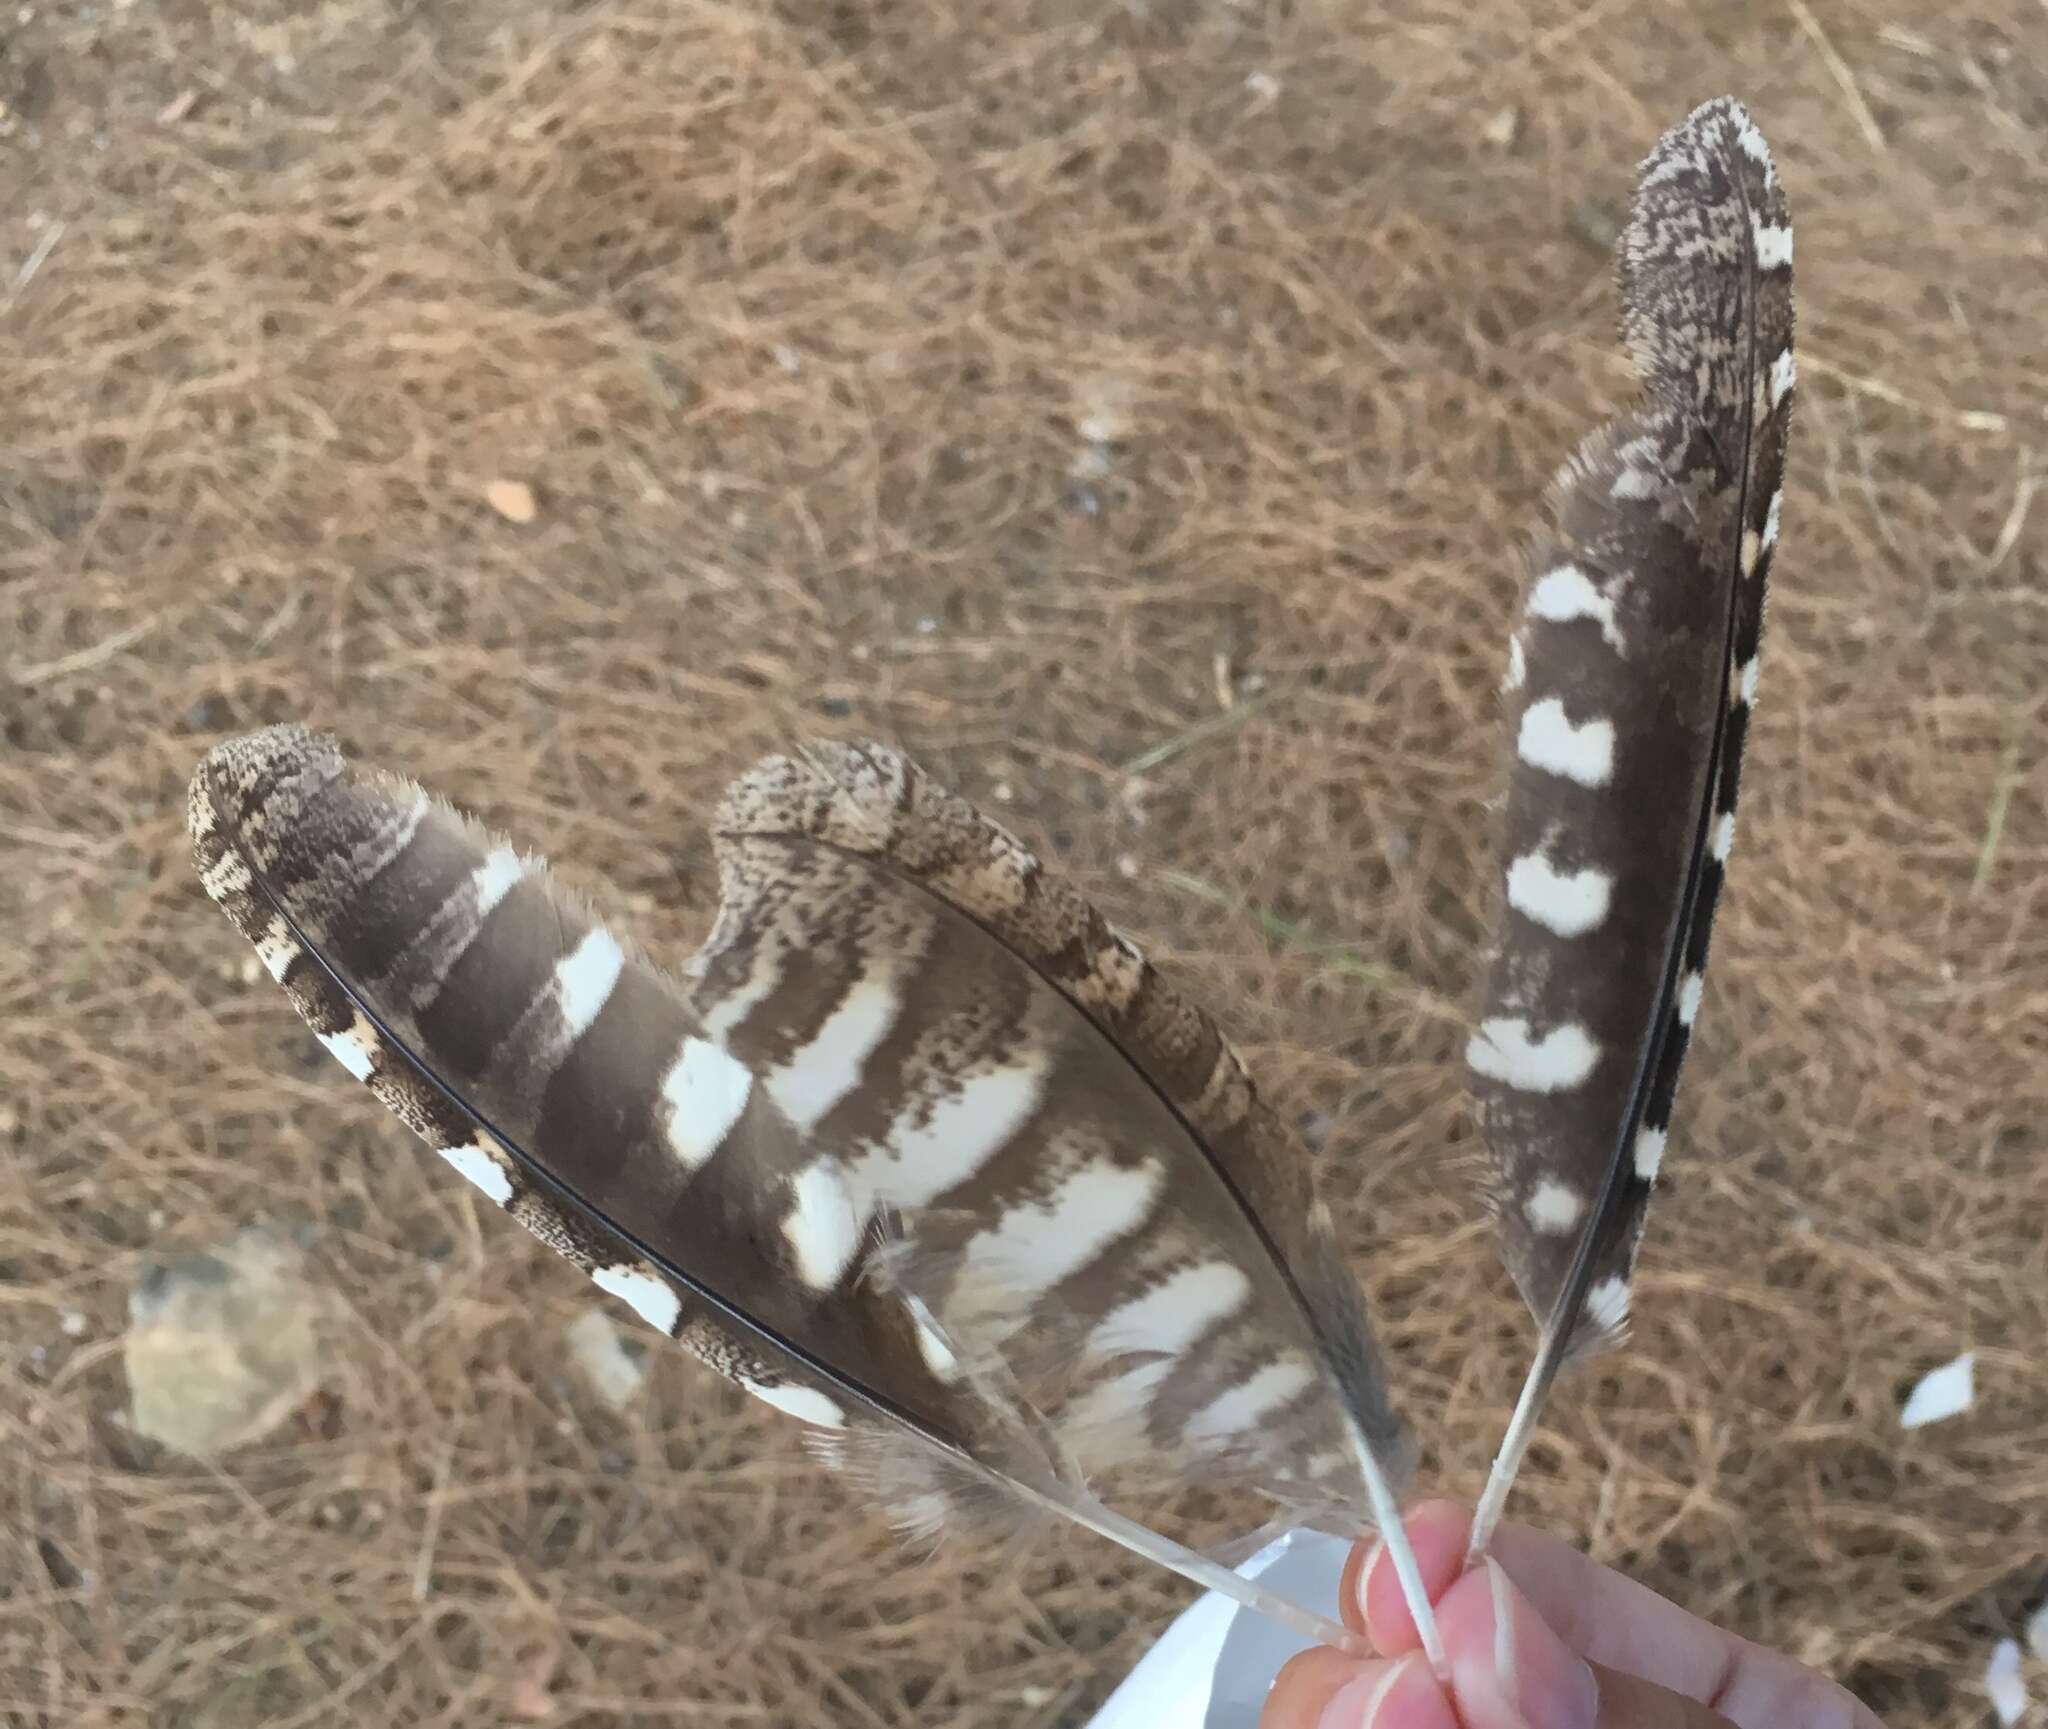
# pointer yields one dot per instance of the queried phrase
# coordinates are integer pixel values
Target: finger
(1370, 1592)
(1630, 1702)
(1508, 1669)
(1307, 1683)
(1620, 1625)
(1606, 1618)
(1322, 1689)
(1610, 1619)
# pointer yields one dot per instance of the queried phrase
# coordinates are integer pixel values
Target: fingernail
(1372, 1560)
(1535, 1675)
(1388, 1695)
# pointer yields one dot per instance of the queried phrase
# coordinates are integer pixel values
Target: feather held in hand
(920, 1151)
(1631, 677)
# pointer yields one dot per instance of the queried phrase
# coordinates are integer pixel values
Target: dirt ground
(1135, 410)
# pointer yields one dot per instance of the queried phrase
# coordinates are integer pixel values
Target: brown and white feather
(919, 1148)
(1632, 673)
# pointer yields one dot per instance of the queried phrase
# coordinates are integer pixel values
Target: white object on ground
(602, 1356)
(2002, 1680)
(1944, 1392)
(223, 1343)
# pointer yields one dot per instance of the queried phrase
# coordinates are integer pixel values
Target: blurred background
(1135, 410)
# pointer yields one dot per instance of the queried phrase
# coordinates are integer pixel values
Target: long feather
(1630, 682)
(922, 1152)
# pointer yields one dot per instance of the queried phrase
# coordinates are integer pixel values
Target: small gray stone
(612, 1365)
(222, 1344)
(1597, 223)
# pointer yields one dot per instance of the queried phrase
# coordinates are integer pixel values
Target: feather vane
(1631, 678)
(920, 1149)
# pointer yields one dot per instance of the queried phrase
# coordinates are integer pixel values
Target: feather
(919, 1149)
(1631, 678)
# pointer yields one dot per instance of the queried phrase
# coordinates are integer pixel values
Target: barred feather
(1631, 678)
(922, 1151)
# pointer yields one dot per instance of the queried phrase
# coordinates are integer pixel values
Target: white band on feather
(644, 1291)
(1784, 374)
(1552, 1208)
(1036, 1244)
(1244, 1404)
(704, 1093)
(482, 1167)
(1607, 1305)
(493, 880)
(1173, 1315)
(1507, 1051)
(1754, 147)
(585, 979)
(355, 1049)
(277, 948)
(829, 1067)
(1690, 991)
(1569, 903)
(1567, 592)
(1550, 741)
(934, 1144)
(806, 1403)
(823, 1226)
(1773, 245)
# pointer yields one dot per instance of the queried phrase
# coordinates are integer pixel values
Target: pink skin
(1522, 1633)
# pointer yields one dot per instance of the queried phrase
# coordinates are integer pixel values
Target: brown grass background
(791, 316)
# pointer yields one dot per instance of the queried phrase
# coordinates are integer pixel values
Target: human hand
(1540, 1637)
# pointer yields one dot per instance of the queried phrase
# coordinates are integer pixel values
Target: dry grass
(790, 318)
